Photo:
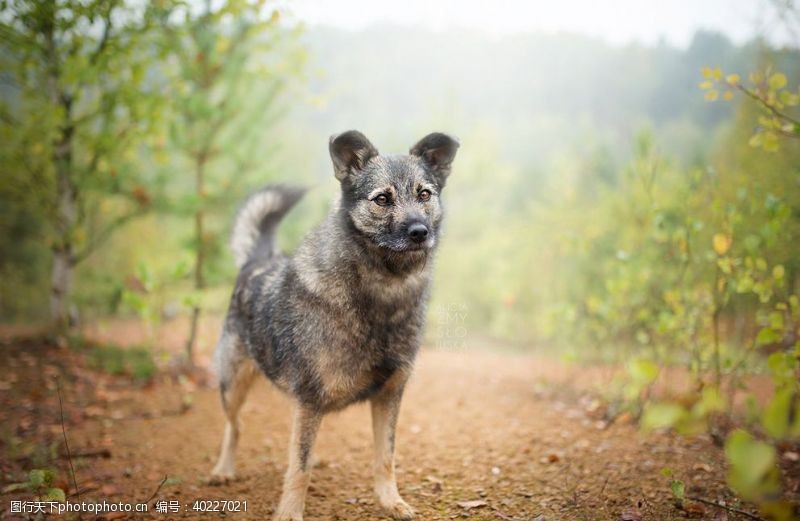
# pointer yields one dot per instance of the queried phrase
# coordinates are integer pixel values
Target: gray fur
(341, 320)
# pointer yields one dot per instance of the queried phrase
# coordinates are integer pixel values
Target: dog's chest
(380, 343)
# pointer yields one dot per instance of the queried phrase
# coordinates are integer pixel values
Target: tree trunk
(66, 191)
(63, 246)
(199, 259)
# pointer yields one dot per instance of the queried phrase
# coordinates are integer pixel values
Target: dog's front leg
(385, 410)
(304, 431)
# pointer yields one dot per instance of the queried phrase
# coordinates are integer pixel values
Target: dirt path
(474, 427)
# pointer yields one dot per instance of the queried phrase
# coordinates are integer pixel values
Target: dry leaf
(631, 515)
(694, 509)
(469, 505)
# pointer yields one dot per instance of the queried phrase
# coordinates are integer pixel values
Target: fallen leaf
(721, 515)
(469, 505)
(631, 515)
(694, 509)
(550, 458)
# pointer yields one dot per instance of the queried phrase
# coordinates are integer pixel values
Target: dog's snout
(418, 232)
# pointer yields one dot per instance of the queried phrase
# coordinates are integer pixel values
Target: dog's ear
(350, 152)
(437, 150)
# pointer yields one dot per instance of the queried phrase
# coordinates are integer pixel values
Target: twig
(66, 443)
(775, 112)
(157, 489)
(725, 507)
(98, 453)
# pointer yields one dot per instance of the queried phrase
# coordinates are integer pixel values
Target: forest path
(497, 433)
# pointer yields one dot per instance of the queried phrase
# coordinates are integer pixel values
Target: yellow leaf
(756, 140)
(789, 99)
(733, 79)
(777, 81)
(778, 271)
(711, 95)
(756, 77)
(716, 73)
(770, 143)
(706, 84)
(728, 95)
(707, 72)
(722, 243)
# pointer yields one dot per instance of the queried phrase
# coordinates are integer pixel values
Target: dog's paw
(218, 478)
(288, 516)
(400, 510)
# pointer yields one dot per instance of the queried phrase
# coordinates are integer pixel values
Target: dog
(341, 320)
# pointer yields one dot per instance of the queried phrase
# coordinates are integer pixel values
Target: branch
(105, 234)
(66, 443)
(770, 108)
(157, 489)
(725, 507)
(106, 36)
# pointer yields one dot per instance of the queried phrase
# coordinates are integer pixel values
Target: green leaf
(39, 478)
(710, 401)
(678, 488)
(767, 336)
(752, 472)
(777, 413)
(662, 415)
(643, 371)
(54, 494)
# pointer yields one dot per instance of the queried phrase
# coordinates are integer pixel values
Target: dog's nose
(418, 232)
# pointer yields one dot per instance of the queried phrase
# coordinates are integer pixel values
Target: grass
(136, 362)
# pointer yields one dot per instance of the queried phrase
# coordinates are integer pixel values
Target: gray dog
(341, 320)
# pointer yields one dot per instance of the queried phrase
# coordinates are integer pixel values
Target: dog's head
(393, 200)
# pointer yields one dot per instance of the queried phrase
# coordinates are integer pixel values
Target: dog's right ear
(350, 152)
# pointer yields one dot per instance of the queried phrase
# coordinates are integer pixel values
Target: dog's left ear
(437, 150)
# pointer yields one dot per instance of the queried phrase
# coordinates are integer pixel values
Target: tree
(226, 69)
(78, 105)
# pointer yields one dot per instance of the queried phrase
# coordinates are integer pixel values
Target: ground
(482, 435)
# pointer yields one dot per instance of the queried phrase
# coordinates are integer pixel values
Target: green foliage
(40, 483)
(81, 103)
(225, 65)
(135, 362)
(777, 102)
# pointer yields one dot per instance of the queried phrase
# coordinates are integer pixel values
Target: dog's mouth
(405, 246)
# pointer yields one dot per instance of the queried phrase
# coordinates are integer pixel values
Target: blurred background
(594, 174)
(627, 192)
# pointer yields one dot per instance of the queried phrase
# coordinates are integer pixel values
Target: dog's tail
(257, 220)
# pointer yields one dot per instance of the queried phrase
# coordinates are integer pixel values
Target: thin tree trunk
(199, 260)
(66, 194)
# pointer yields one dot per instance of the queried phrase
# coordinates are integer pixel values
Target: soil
(482, 435)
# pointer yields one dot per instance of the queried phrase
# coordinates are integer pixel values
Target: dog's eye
(382, 200)
(424, 195)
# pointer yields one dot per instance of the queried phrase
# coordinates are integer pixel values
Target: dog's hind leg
(237, 371)
(304, 432)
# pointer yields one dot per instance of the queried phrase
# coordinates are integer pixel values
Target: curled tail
(257, 220)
